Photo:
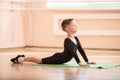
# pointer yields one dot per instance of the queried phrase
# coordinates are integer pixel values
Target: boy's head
(69, 25)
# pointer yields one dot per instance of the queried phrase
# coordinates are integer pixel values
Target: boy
(71, 45)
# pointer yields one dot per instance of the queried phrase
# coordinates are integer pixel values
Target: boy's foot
(18, 58)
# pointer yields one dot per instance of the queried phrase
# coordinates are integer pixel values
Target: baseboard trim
(53, 47)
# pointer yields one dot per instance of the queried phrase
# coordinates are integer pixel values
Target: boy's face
(72, 27)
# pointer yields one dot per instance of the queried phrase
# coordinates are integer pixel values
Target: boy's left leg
(22, 58)
(33, 59)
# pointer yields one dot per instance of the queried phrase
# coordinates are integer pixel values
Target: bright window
(76, 4)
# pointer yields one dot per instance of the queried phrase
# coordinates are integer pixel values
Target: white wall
(11, 29)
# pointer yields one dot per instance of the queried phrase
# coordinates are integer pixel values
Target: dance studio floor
(26, 71)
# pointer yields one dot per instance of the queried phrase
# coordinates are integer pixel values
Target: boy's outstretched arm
(80, 49)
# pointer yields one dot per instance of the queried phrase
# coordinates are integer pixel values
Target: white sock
(20, 59)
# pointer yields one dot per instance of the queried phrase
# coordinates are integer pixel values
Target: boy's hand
(83, 64)
(91, 63)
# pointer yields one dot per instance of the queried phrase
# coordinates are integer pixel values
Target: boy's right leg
(33, 59)
(22, 58)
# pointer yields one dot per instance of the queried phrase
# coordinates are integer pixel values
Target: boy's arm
(71, 49)
(80, 49)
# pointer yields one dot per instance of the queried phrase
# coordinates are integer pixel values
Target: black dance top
(70, 51)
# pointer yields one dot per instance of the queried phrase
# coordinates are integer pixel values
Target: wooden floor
(26, 71)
